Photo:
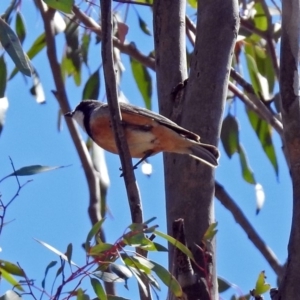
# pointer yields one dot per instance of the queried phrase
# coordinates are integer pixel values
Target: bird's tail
(208, 154)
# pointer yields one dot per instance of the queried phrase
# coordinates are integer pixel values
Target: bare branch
(241, 219)
(267, 116)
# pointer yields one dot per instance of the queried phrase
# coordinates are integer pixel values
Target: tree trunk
(189, 184)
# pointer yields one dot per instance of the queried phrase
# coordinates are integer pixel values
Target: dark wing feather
(131, 109)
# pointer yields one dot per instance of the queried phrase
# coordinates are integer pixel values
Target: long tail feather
(206, 153)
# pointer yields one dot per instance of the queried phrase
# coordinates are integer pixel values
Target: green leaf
(246, 171)
(223, 285)
(85, 43)
(92, 86)
(143, 26)
(260, 18)
(230, 135)
(261, 286)
(193, 3)
(69, 252)
(121, 271)
(139, 264)
(50, 265)
(210, 232)
(33, 170)
(37, 46)
(168, 279)
(12, 45)
(143, 79)
(3, 76)
(62, 5)
(98, 289)
(264, 134)
(20, 27)
(95, 229)
(11, 268)
(10, 279)
(99, 248)
(176, 243)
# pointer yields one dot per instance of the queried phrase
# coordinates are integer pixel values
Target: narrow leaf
(98, 289)
(12, 45)
(62, 5)
(261, 286)
(11, 268)
(223, 285)
(144, 26)
(69, 252)
(230, 135)
(143, 80)
(260, 197)
(3, 108)
(264, 134)
(95, 229)
(246, 171)
(168, 279)
(176, 243)
(9, 278)
(20, 27)
(50, 265)
(10, 295)
(54, 250)
(92, 86)
(3, 76)
(33, 170)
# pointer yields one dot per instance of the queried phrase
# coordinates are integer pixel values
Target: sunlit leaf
(176, 243)
(108, 277)
(143, 80)
(95, 230)
(69, 252)
(120, 270)
(168, 279)
(99, 248)
(141, 283)
(98, 289)
(246, 171)
(230, 135)
(12, 45)
(92, 86)
(264, 134)
(193, 3)
(11, 268)
(54, 250)
(210, 232)
(260, 18)
(20, 27)
(50, 265)
(10, 279)
(261, 286)
(62, 5)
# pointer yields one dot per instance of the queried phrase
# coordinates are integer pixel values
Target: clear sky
(53, 207)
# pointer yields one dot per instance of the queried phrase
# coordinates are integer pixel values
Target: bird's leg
(147, 154)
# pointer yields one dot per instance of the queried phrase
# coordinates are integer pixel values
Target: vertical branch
(116, 118)
(289, 89)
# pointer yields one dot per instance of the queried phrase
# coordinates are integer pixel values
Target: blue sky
(53, 207)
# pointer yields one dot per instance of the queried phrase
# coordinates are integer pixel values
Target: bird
(147, 133)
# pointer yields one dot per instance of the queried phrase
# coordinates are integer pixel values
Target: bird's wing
(136, 115)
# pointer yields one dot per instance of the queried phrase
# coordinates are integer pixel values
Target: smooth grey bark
(189, 184)
(289, 89)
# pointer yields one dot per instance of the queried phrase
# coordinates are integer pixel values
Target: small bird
(147, 133)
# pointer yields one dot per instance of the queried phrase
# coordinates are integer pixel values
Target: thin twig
(126, 48)
(264, 111)
(268, 117)
(229, 203)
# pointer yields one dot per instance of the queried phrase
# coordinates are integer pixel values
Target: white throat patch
(79, 116)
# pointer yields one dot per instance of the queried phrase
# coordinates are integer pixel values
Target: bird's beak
(69, 114)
